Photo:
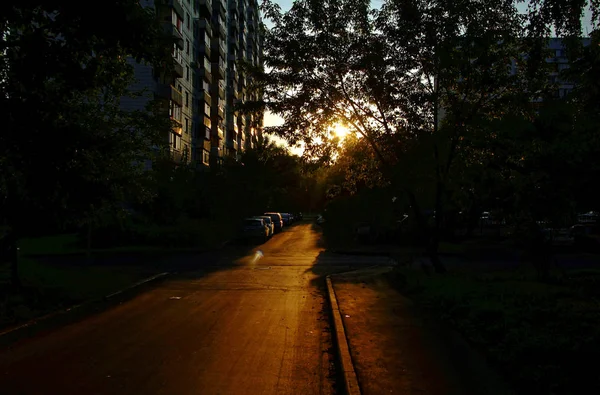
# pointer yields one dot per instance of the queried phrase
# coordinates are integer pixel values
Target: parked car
(287, 219)
(277, 221)
(269, 222)
(255, 228)
(586, 235)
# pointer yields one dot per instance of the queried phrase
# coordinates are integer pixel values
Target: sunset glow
(340, 131)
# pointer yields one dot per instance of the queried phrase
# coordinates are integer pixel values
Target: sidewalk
(397, 350)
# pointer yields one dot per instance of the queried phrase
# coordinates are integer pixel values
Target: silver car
(269, 222)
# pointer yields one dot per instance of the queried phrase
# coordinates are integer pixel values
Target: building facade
(202, 92)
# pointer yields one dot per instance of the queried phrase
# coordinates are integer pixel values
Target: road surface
(255, 325)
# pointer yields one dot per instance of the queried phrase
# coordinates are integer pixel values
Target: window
(187, 47)
(187, 73)
(187, 99)
(175, 111)
(179, 87)
(175, 141)
(188, 20)
(187, 125)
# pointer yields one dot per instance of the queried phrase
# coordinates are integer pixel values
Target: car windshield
(252, 222)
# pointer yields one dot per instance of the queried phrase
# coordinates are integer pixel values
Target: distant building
(559, 62)
(206, 82)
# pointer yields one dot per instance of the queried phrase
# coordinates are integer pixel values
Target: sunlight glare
(340, 131)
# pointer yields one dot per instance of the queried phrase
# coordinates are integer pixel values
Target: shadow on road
(67, 311)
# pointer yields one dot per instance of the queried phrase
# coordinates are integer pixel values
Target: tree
(68, 152)
(416, 79)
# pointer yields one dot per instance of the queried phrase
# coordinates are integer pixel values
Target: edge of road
(69, 314)
(343, 350)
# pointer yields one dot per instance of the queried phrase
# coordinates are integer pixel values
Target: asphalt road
(254, 325)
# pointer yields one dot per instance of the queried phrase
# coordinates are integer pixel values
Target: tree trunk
(434, 240)
(12, 257)
(88, 251)
(429, 240)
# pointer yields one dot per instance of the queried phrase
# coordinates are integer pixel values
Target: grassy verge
(544, 337)
(47, 288)
(68, 244)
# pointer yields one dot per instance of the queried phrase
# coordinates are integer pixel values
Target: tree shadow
(52, 308)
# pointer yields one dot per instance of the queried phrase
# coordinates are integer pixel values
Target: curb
(351, 386)
(361, 253)
(142, 282)
(39, 320)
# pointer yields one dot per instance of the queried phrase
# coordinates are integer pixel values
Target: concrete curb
(135, 285)
(42, 319)
(351, 386)
(361, 253)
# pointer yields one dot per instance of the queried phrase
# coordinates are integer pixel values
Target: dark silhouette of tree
(68, 153)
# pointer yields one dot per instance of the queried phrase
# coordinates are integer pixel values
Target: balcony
(206, 7)
(176, 34)
(205, 49)
(232, 144)
(221, 90)
(177, 156)
(216, 45)
(205, 72)
(177, 69)
(176, 126)
(196, 64)
(234, 43)
(175, 5)
(250, 24)
(169, 92)
(204, 24)
(234, 75)
(218, 69)
(205, 96)
(222, 7)
(220, 112)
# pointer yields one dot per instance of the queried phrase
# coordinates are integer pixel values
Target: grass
(82, 282)
(48, 287)
(68, 244)
(55, 244)
(541, 335)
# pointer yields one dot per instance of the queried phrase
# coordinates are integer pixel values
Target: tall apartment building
(558, 61)
(200, 95)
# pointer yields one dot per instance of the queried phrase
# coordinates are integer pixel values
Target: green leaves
(64, 70)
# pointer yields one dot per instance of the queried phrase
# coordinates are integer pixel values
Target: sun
(340, 131)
